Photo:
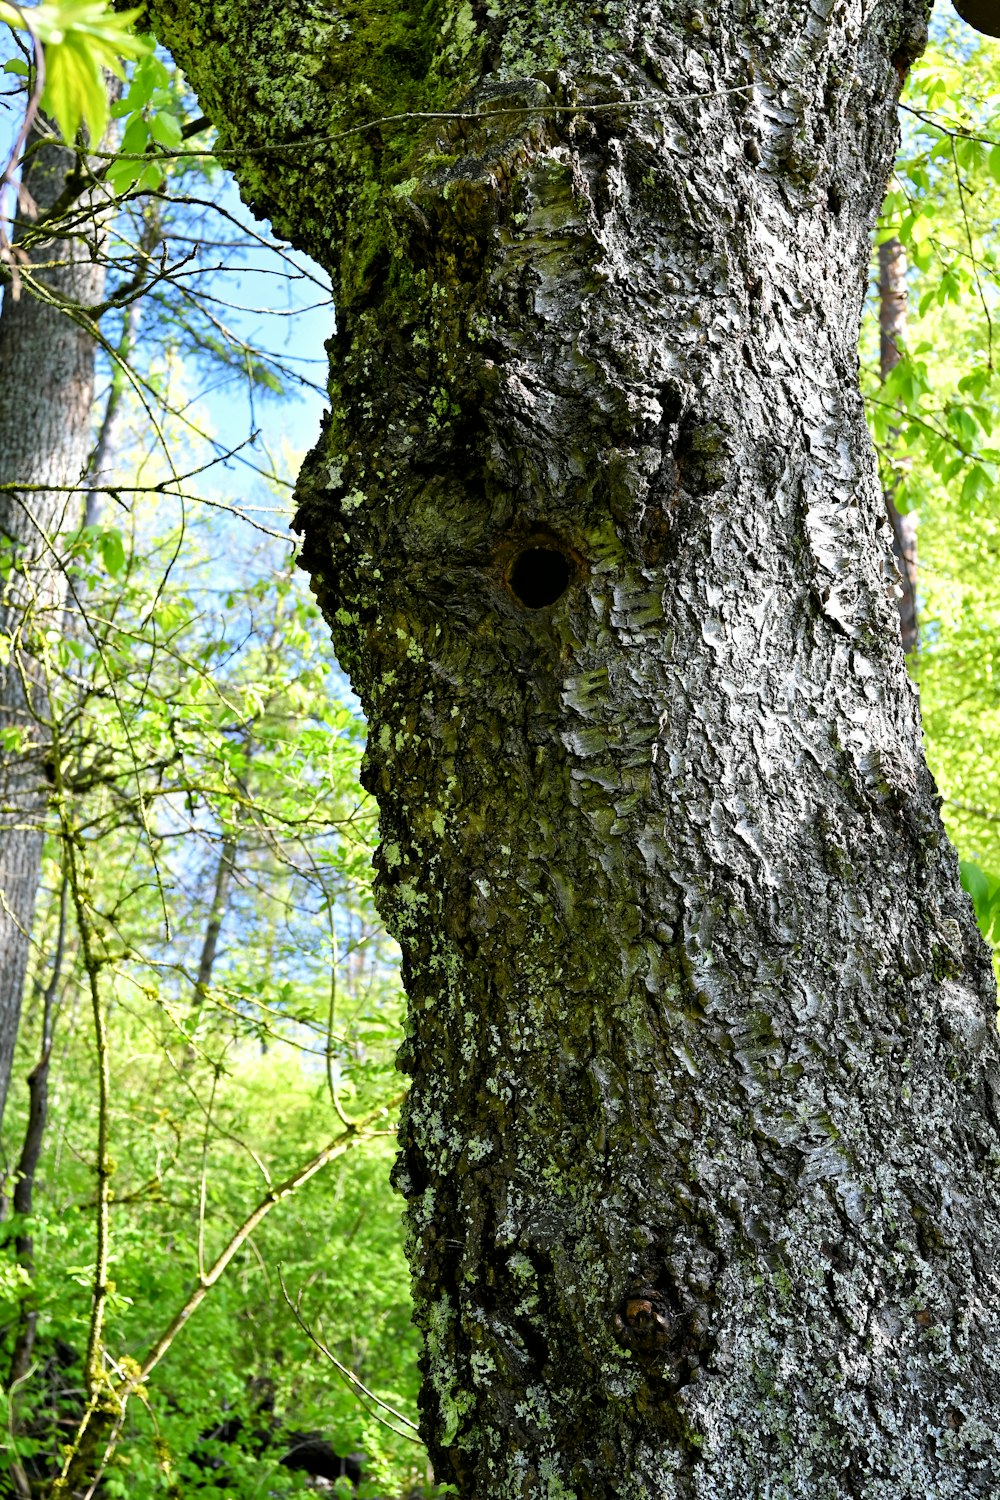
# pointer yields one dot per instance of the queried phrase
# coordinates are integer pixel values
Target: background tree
(46, 408)
(46, 401)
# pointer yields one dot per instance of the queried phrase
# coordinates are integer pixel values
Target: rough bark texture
(46, 395)
(892, 335)
(701, 1149)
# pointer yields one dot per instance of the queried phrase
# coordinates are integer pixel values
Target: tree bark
(892, 335)
(46, 397)
(700, 1152)
(31, 1151)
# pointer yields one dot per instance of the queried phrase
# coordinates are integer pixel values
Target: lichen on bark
(701, 1147)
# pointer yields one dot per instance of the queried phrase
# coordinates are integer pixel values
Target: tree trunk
(701, 1146)
(46, 396)
(892, 334)
(31, 1151)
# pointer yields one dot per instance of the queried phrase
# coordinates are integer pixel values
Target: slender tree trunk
(701, 1148)
(25, 1174)
(102, 458)
(892, 335)
(31, 1151)
(224, 871)
(222, 888)
(46, 397)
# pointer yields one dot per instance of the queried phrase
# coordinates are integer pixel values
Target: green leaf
(80, 39)
(935, 87)
(977, 485)
(17, 65)
(136, 137)
(74, 88)
(165, 128)
(922, 255)
(112, 551)
(964, 425)
(152, 74)
(976, 382)
(974, 882)
(985, 893)
(124, 174)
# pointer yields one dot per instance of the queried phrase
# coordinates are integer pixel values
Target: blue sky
(287, 316)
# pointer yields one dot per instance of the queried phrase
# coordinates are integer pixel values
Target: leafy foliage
(80, 38)
(935, 422)
(152, 112)
(200, 734)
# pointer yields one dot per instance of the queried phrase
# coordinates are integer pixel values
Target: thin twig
(355, 1135)
(421, 116)
(972, 256)
(359, 1388)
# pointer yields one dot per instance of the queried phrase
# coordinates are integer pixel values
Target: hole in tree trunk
(982, 14)
(539, 576)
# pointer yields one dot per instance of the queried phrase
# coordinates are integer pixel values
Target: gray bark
(46, 396)
(700, 1154)
(224, 871)
(892, 336)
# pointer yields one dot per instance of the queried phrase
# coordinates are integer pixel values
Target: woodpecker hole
(539, 576)
(982, 14)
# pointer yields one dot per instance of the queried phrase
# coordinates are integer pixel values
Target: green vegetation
(936, 423)
(205, 772)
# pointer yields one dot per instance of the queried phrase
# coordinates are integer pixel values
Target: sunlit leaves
(79, 38)
(152, 114)
(937, 410)
(165, 129)
(112, 550)
(985, 892)
(197, 713)
(935, 422)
